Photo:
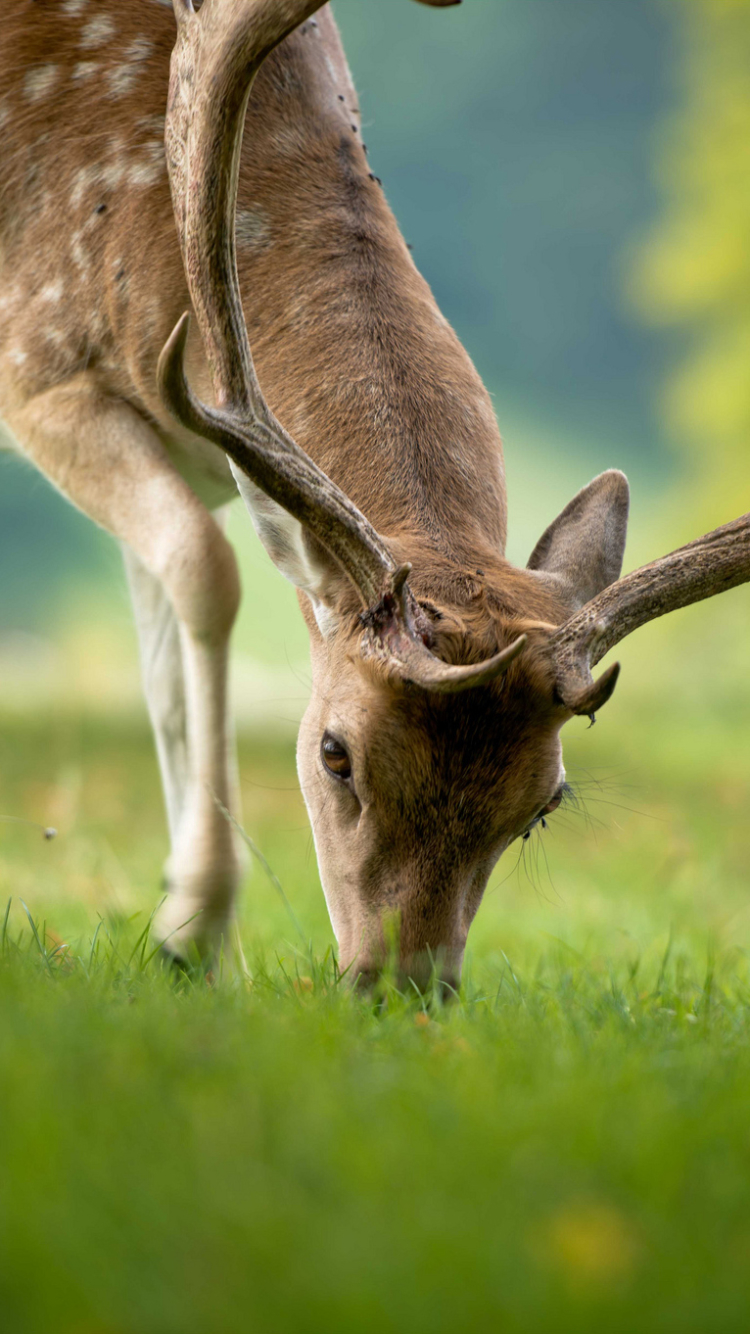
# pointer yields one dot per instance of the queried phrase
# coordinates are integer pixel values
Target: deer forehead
(405, 740)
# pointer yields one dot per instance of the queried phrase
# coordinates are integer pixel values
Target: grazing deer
(442, 675)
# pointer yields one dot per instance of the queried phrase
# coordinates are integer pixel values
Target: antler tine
(710, 565)
(218, 52)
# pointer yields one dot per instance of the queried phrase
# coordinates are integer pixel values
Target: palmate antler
(710, 565)
(218, 52)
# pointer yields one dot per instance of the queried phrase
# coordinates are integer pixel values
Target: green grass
(566, 1147)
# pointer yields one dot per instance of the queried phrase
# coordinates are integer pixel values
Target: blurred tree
(694, 270)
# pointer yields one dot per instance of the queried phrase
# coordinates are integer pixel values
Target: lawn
(565, 1147)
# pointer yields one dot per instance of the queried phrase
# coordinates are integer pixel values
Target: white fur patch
(84, 70)
(153, 125)
(121, 79)
(83, 180)
(73, 8)
(251, 230)
(142, 174)
(40, 81)
(111, 175)
(80, 258)
(98, 31)
(52, 292)
(156, 153)
(139, 50)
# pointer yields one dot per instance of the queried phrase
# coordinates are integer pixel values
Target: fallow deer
(442, 675)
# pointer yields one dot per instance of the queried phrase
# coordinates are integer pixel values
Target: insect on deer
(442, 675)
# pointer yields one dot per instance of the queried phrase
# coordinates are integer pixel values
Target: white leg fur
(108, 462)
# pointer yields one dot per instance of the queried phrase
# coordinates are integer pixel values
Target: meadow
(564, 1146)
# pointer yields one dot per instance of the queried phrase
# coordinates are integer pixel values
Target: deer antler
(710, 565)
(216, 57)
(218, 52)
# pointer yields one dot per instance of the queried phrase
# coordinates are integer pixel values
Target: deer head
(432, 737)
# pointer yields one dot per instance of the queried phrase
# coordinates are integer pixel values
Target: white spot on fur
(111, 176)
(80, 258)
(123, 77)
(85, 69)
(153, 125)
(52, 292)
(144, 173)
(73, 8)
(120, 80)
(17, 356)
(252, 230)
(83, 180)
(39, 82)
(139, 50)
(98, 31)
(105, 177)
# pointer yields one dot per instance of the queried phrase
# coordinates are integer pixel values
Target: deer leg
(163, 682)
(109, 462)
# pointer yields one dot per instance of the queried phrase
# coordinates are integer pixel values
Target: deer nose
(421, 971)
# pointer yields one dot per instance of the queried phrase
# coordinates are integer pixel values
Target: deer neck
(351, 349)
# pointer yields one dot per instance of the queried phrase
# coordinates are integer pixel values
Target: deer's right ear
(583, 549)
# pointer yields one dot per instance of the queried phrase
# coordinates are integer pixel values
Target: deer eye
(335, 757)
(555, 801)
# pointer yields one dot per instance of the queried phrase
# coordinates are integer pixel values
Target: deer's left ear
(584, 547)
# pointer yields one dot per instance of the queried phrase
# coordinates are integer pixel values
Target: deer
(180, 183)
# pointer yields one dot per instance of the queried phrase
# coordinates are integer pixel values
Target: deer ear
(584, 547)
(294, 551)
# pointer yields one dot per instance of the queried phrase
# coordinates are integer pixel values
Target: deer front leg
(111, 464)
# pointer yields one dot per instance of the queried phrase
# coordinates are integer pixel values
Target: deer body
(413, 788)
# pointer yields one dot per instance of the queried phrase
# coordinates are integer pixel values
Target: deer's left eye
(551, 806)
(336, 757)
